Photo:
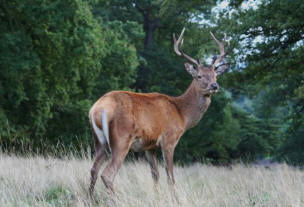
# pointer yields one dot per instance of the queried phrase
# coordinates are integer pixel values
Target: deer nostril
(214, 86)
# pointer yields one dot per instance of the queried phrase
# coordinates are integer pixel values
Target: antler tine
(221, 47)
(219, 44)
(178, 42)
(228, 43)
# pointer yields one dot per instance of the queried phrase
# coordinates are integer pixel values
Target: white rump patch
(98, 132)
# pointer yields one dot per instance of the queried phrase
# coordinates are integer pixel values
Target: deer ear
(222, 68)
(189, 67)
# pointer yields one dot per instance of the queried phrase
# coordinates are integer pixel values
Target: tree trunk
(149, 27)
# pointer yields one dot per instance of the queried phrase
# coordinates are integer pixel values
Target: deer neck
(192, 105)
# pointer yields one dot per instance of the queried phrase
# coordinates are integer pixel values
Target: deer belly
(137, 145)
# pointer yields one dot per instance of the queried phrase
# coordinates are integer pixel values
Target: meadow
(48, 181)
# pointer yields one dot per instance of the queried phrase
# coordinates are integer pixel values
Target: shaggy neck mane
(192, 105)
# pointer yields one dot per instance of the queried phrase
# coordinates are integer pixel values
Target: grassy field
(38, 181)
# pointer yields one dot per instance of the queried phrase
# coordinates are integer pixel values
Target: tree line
(58, 57)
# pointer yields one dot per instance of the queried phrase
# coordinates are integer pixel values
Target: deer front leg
(151, 157)
(168, 152)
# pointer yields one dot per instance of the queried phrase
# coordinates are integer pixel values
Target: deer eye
(199, 76)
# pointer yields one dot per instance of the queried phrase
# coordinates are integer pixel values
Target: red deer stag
(123, 120)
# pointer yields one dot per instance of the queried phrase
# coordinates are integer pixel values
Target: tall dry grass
(38, 181)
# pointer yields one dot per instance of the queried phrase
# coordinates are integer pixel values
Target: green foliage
(270, 42)
(47, 61)
(292, 149)
(119, 67)
(52, 54)
(58, 57)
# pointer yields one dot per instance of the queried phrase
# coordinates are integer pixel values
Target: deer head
(205, 76)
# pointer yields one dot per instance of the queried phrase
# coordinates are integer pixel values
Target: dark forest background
(58, 57)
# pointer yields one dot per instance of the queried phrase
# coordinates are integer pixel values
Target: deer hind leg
(121, 131)
(99, 159)
(112, 168)
(121, 138)
(151, 157)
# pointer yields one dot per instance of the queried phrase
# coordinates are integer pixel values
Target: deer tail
(102, 135)
(105, 126)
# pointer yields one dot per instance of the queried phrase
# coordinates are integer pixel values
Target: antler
(223, 54)
(180, 53)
